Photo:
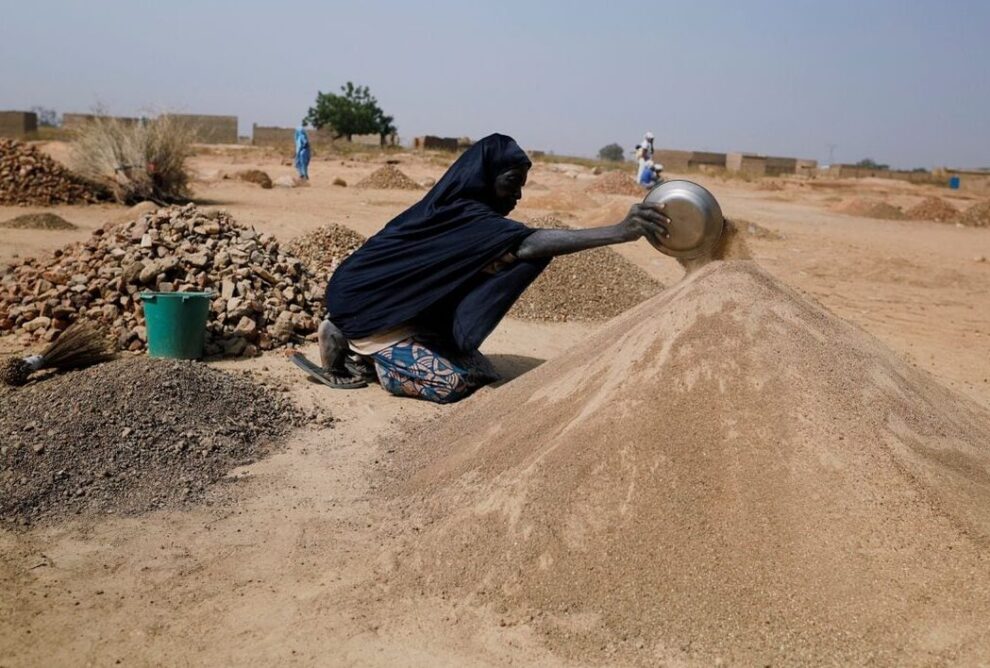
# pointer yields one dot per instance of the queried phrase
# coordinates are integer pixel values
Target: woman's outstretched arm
(643, 220)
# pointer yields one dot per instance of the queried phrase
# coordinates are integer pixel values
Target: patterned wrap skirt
(412, 369)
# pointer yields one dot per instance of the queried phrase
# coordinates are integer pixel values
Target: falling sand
(726, 472)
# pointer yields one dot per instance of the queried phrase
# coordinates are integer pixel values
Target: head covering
(431, 250)
(302, 139)
(648, 136)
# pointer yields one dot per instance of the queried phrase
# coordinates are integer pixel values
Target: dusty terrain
(290, 573)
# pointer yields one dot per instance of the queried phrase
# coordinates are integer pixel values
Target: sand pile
(932, 208)
(727, 472)
(29, 177)
(388, 177)
(596, 284)
(616, 183)
(129, 436)
(39, 221)
(265, 297)
(978, 215)
(867, 208)
(256, 176)
(323, 249)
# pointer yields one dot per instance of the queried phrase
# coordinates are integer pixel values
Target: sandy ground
(286, 574)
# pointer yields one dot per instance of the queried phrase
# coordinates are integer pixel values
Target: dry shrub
(136, 161)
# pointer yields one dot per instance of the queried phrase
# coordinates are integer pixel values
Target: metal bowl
(695, 218)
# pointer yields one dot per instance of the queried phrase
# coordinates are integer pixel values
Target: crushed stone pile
(129, 436)
(616, 183)
(388, 177)
(932, 208)
(727, 473)
(867, 208)
(39, 221)
(264, 296)
(29, 177)
(977, 215)
(256, 176)
(323, 249)
(596, 284)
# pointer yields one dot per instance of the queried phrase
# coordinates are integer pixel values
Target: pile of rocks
(157, 433)
(256, 176)
(39, 221)
(616, 183)
(932, 208)
(868, 208)
(264, 296)
(388, 177)
(977, 215)
(323, 249)
(596, 284)
(29, 177)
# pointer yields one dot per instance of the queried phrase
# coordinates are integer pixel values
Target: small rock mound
(264, 296)
(932, 208)
(616, 183)
(388, 177)
(256, 176)
(130, 436)
(29, 177)
(978, 215)
(323, 249)
(39, 221)
(595, 284)
(871, 209)
(340, 182)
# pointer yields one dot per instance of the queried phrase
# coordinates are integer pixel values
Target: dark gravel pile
(39, 221)
(596, 284)
(129, 436)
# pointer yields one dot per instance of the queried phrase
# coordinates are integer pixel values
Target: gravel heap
(265, 296)
(616, 183)
(129, 436)
(388, 177)
(29, 177)
(932, 208)
(323, 249)
(256, 176)
(595, 284)
(39, 221)
(728, 474)
(978, 215)
(871, 209)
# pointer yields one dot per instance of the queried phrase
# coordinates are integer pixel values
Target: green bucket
(176, 323)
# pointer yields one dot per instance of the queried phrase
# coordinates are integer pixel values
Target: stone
(41, 322)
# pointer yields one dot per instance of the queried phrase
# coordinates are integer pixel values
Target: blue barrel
(954, 182)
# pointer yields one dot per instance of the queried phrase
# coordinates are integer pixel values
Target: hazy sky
(905, 82)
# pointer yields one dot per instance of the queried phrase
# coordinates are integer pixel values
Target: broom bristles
(83, 344)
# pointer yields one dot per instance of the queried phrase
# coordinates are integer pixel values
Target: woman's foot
(333, 357)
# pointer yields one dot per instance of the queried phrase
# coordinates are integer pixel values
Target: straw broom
(82, 344)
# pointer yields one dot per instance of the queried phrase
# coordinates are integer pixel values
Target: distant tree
(354, 112)
(612, 152)
(47, 118)
(869, 163)
(920, 170)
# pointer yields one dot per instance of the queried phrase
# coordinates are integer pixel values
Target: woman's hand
(645, 220)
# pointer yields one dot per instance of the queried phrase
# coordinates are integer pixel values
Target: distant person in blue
(302, 153)
(410, 308)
